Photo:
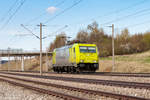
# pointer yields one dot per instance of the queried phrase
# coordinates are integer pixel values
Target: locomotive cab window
(92, 49)
(85, 49)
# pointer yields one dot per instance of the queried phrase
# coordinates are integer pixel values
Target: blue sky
(78, 17)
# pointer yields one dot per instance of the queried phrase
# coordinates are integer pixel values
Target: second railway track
(136, 85)
(97, 73)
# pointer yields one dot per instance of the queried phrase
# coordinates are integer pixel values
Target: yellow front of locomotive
(88, 59)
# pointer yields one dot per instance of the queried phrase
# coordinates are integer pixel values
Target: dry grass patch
(134, 63)
(124, 66)
(29, 65)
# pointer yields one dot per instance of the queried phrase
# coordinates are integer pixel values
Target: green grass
(147, 60)
(118, 58)
(105, 58)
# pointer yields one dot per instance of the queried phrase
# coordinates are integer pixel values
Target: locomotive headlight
(95, 61)
(81, 61)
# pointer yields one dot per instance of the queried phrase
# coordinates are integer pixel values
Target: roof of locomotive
(86, 44)
(64, 47)
(69, 46)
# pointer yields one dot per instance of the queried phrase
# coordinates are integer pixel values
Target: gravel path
(11, 92)
(119, 90)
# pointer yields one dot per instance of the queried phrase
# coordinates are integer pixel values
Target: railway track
(98, 73)
(120, 74)
(67, 97)
(44, 91)
(136, 85)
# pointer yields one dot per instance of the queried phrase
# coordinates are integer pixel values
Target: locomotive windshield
(86, 49)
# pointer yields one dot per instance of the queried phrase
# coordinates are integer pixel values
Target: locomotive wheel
(77, 70)
(54, 69)
(58, 69)
(61, 69)
(67, 69)
(72, 69)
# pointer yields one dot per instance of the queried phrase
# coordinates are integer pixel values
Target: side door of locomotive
(74, 54)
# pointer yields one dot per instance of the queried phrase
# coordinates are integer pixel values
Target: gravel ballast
(64, 91)
(12, 92)
(119, 90)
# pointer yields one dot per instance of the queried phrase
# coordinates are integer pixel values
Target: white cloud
(51, 9)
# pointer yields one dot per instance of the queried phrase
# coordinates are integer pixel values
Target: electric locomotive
(77, 57)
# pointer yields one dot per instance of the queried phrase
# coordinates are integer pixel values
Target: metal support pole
(0, 62)
(30, 60)
(40, 48)
(113, 53)
(22, 63)
(47, 61)
(8, 61)
(0, 59)
(15, 61)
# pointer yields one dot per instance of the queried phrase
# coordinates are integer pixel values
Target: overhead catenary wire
(127, 16)
(76, 3)
(137, 24)
(20, 35)
(30, 31)
(38, 36)
(123, 9)
(56, 31)
(9, 10)
(130, 6)
(18, 8)
(113, 12)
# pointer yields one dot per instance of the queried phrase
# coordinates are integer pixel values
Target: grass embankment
(133, 63)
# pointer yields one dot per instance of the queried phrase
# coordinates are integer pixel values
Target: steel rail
(144, 75)
(44, 91)
(136, 85)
